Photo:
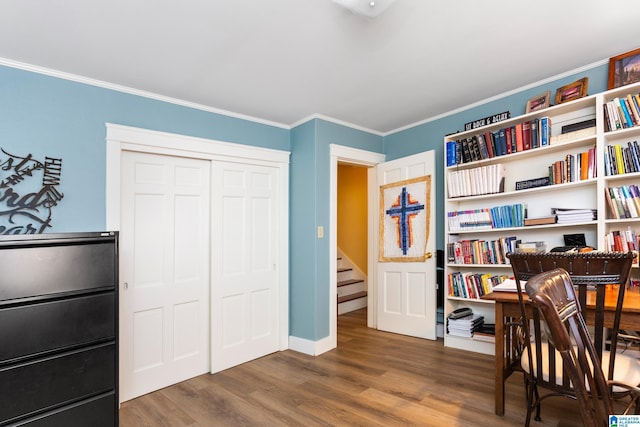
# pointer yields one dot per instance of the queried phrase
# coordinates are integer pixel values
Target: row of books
(623, 201)
(622, 241)
(505, 216)
(478, 251)
(474, 182)
(574, 167)
(622, 113)
(619, 160)
(472, 285)
(519, 137)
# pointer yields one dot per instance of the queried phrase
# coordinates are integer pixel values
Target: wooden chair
(539, 360)
(553, 294)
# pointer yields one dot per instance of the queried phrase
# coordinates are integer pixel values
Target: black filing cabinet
(59, 330)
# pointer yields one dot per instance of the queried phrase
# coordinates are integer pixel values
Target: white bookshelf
(530, 164)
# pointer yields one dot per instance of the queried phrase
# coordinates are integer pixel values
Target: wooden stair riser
(351, 288)
(352, 305)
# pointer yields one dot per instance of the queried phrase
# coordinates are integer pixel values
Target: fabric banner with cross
(404, 220)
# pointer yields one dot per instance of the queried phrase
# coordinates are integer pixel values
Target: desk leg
(499, 359)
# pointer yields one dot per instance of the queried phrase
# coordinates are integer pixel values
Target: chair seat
(627, 368)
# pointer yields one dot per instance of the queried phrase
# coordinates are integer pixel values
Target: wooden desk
(507, 309)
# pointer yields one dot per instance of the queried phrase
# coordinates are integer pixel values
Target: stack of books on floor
(463, 326)
(572, 216)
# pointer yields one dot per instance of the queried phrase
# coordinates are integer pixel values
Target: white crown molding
(336, 121)
(124, 89)
(502, 95)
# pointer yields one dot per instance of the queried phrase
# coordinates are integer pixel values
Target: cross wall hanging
(404, 220)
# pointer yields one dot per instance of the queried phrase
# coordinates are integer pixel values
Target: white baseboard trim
(312, 348)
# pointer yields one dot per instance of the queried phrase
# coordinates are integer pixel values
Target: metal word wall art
(28, 193)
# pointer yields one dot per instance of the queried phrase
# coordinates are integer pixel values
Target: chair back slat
(553, 294)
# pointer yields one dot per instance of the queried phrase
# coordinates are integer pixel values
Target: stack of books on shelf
(485, 332)
(623, 201)
(505, 216)
(622, 113)
(477, 181)
(464, 326)
(622, 241)
(523, 136)
(619, 160)
(574, 167)
(532, 247)
(472, 285)
(478, 251)
(574, 216)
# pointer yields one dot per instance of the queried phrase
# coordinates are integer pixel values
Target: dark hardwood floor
(373, 378)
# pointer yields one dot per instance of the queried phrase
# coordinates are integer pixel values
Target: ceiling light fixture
(368, 8)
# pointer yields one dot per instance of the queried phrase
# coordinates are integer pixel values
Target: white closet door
(244, 299)
(164, 243)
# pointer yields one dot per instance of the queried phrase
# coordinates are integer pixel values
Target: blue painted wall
(430, 135)
(310, 192)
(47, 116)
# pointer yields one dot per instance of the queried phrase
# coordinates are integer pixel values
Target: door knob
(428, 255)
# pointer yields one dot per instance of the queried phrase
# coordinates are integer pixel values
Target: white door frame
(369, 159)
(124, 138)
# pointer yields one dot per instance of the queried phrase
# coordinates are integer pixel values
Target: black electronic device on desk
(573, 243)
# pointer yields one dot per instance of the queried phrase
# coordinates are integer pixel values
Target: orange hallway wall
(352, 214)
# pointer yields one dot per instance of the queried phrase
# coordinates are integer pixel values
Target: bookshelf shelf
(621, 220)
(583, 150)
(479, 301)
(623, 176)
(454, 265)
(547, 188)
(531, 227)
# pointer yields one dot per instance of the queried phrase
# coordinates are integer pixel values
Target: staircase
(351, 283)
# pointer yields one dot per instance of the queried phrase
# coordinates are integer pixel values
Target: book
(526, 135)
(518, 131)
(584, 124)
(533, 183)
(545, 131)
(451, 153)
(540, 221)
(535, 133)
(509, 285)
(491, 144)
(532, 247)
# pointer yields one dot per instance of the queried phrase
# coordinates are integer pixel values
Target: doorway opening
(352, 240)
(368, 160)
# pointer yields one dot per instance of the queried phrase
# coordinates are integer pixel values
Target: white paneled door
(244, 295)
(164, 244)
(406, 291)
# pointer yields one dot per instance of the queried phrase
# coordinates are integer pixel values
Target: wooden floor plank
(372, 378)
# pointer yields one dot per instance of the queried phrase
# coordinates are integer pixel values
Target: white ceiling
(282, 61)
